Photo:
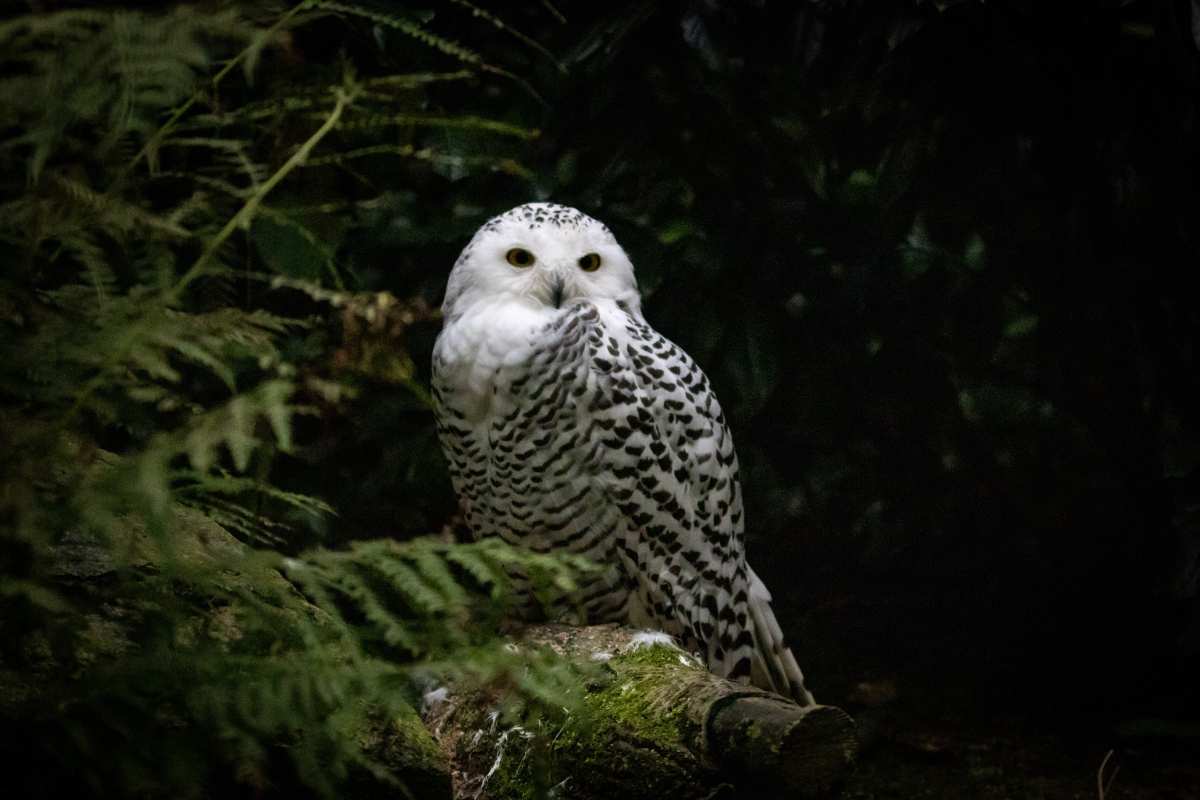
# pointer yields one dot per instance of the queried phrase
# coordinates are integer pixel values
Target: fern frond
(439, 121)
(246, 213)
(421, 34)
(421, 573)
(431, 562)
(138, 312)
(200, 354)
(221, 185)
(406, 580)
(17, 34)
(420, 154)
(230, 485)
(406, 82)
(247, 58)
(146, 61)
(243, 523)
(232, 425)
(501, 25)
(484, 570)
(408, 27)
(114, 213)
(381, 88)
(82, 245)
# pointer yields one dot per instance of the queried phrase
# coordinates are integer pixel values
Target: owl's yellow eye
(590, 262)
(520, 257)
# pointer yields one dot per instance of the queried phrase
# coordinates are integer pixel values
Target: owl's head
(541, 255)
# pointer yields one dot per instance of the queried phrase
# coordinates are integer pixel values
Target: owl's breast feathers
(583, 429)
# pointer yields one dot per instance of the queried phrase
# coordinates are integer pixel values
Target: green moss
(411, 741)
(401, 744)
(655, 655)
(628, 737)
(632, 699)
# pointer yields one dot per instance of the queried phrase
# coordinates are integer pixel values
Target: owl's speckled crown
(535, 215)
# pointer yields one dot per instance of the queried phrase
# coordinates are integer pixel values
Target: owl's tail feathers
(772, 665)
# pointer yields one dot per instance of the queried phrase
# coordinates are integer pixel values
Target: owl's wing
(670, 468)
(603, 438)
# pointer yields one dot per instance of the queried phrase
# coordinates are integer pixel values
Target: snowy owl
(570, 424)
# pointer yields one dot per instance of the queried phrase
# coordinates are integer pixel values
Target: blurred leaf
(754, 365)
(291, 249)
(860, 187)
(974, 256)
(917, 252)
(676, 230)
(1021, 326)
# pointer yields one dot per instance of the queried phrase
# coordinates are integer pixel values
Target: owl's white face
(542, 256)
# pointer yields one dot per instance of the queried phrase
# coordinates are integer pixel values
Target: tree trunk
(654, 723)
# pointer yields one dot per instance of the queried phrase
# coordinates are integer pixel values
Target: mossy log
(654, 723)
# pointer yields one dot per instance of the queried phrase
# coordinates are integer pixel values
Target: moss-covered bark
(652, 723)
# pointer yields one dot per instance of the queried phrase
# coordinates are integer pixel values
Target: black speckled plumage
(581, 428)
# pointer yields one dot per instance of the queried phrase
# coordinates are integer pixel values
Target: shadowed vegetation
(934, 259)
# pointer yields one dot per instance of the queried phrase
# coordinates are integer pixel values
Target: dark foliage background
(936, 258)
(936, 261)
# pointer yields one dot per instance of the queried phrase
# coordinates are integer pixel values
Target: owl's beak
(557, 286)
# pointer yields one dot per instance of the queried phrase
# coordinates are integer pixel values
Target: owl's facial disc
(544, 255)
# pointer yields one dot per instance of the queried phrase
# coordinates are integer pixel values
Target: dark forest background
(936, 258)
(936, 262)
